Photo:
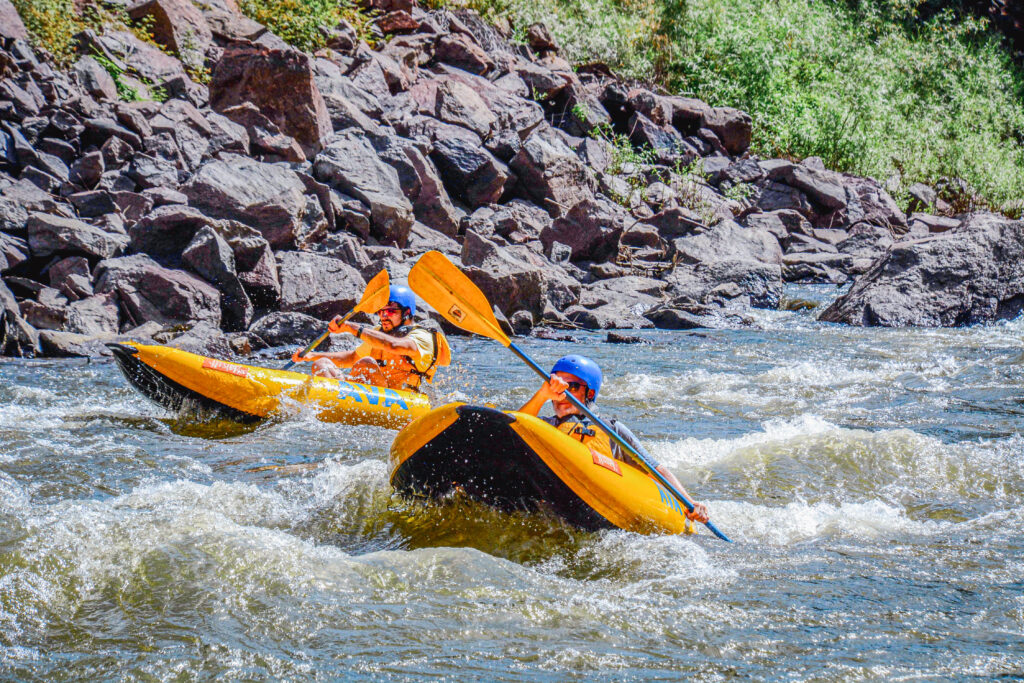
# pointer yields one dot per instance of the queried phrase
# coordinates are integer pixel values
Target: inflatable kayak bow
(514, 461)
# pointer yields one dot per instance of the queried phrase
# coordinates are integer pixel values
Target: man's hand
(700, 513)
(554, 389)
(339, 326)
(297, 357)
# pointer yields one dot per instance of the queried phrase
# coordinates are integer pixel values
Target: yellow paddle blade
(438, 282)
(375, 296)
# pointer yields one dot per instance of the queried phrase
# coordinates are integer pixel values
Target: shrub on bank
(870, 87)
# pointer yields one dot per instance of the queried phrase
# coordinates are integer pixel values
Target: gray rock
(95, 79)
(210, 256)
(969, 275)
(264, 196)
(165, 231)
(350, 164)
(148, 291)
(318, 285)
(287, 329)
(516, 276)
(52, 234)
(551, 173)
(592, 228)
(205, 339)
(95, 315)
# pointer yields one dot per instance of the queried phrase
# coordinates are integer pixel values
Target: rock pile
(242, 212)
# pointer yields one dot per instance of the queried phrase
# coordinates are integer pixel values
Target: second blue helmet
(404, 297)
(581, 366)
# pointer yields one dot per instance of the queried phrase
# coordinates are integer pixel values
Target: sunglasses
(389, 309)
(576, 386)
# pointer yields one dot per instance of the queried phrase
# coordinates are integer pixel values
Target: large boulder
(281, 84)
(11, 25)
(420, 182)
(287, 328)
(316, 285)
(517, 277)
(972, 274)
(94, 315)
(210, 256)
(617, 303)
(724, 255)
(148, 291)
(164, 232)
(178, 25)
(592, 228)
(551, 173)
(350, 164)
(52, 235)
(264, 196)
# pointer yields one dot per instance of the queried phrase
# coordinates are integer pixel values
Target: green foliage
(623, 152)
(302, 23)
(125, 91)
(52, 25)
(898, 89)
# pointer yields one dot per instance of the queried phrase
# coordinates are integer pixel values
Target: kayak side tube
(515, 461)
(171, 376)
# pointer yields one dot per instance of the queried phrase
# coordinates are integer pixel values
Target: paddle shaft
(316, 342)
(619, 440)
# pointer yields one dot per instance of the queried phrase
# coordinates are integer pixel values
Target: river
(872, 479)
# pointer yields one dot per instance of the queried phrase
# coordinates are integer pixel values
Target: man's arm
(700, 511)
(343, 359)
(553, 389)
(404, 346)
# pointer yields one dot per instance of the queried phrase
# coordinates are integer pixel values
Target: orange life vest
(589, 435)
(400, 371)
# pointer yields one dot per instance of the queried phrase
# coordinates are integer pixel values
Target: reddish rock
(11, 25)
(459, 50)
(280, 83)
(398, 21)
(179, 25)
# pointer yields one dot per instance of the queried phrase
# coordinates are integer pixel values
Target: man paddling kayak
(396, 353)
(582, 377)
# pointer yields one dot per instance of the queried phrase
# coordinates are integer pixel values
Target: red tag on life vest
(606, 462)
(230, 368)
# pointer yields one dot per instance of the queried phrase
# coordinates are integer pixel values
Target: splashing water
(873, 481)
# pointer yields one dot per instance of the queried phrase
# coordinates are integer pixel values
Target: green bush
(52, 25)
(301, 22)
(870, 86)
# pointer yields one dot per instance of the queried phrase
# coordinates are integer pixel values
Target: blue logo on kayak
(370, 394)
(668, 499)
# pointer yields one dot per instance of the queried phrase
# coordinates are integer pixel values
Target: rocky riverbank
(244, 212)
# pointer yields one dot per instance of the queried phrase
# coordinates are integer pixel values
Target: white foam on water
(701, 453)
(799, 521)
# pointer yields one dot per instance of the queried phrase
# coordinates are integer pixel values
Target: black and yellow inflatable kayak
(514, 461)
(178, 380)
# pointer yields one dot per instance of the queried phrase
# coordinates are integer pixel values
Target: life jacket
(401, 372)
(592, 436)
(580, 428)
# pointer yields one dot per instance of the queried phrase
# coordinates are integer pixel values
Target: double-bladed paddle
(442, 285)
(375, 297)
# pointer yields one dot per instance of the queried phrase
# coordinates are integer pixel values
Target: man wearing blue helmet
(396, 353)
(582, 377)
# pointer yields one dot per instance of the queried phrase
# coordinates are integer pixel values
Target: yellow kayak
(514, 461)
(178, 379)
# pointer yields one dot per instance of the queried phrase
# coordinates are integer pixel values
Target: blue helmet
(584, 368)
(404, 297)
